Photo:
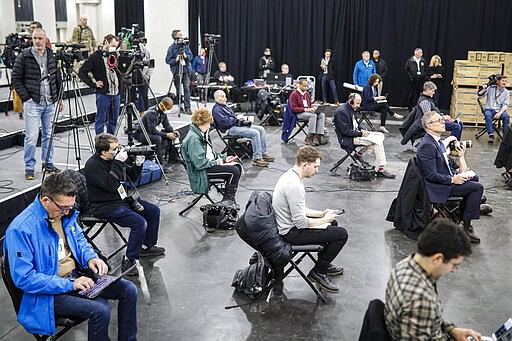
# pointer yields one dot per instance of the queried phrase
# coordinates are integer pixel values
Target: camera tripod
(77, 118)
(130, 111)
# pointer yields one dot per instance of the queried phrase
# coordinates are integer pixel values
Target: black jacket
(266, 63)
(152, 118)
(26, 76)
(410, 211)
(381, 67)
(96, 66)
(343, 124)
(504, 156)
(331, 70)
(103, 179)
(412, 69)
(258, 228)
(412, 129)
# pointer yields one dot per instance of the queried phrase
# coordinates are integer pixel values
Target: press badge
(122, 192)
(62, 252)
(305, 103)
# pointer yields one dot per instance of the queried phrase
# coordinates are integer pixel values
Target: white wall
(161, 17)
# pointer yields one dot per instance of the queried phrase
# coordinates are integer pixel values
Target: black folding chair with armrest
(63, 323)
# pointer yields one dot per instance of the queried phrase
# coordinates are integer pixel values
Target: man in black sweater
(106, 172)
(153, 117)
(106, 82)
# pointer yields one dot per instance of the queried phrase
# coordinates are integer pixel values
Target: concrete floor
(183, 294)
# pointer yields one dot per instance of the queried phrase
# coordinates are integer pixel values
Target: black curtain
(24, 10)
(298, 31)
(128, 12)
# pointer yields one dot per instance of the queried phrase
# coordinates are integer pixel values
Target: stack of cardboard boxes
(468, 75)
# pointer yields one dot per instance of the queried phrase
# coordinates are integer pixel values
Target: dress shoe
(473, 237)
(383, 129)
(385, 174)
(323, 281)
(127, 264)
(485, 209)
(268, 158)
(397, 116)
(309, 140)
(316, 140)
(483, 200)
(334, 270)
(337, 103)
(152, 251)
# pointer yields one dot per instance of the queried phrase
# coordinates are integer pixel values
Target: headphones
(351, 98)
(161, 106)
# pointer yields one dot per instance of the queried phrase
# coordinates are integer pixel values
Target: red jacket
(296, 101)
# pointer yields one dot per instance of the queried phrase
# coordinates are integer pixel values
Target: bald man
(82, 34)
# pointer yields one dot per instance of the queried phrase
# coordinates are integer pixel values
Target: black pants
(229, 173)
(161, 144)
(333, 238)
(415, 89)
(384, 110)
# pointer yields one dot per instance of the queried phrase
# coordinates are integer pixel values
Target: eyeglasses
(439, 120)
(63, 209)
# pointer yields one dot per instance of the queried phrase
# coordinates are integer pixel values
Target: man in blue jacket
(179, 57)
(363, 70)
(47, 252)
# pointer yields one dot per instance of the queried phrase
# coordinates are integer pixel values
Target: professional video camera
(69, 53)
(133, 57)
(147, 151)
(212, 39)
(182, 42)
(133, 36)
(14, 43)
(493, 79)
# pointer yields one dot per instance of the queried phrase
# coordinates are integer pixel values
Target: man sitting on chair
(352, 134)
(226, 120)
(441, 179)
(299, 225)
(300, 103)
(498, 100)
(46, 249)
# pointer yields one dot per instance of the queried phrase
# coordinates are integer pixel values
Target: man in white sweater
(299, 225)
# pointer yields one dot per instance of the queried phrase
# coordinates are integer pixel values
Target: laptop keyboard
(101, 283)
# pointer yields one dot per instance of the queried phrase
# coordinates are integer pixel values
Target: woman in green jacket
(203, 162)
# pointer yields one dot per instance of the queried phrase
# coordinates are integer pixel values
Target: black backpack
(255, 279)
(219, 216)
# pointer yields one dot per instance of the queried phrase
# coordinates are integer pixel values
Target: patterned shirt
(46, 96)
(413, 309)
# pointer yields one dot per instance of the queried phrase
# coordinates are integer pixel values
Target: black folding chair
(217, 183)
(235, 145)
(496, 123)
(365, 116)
(63, 323)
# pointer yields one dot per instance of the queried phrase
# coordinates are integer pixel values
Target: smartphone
(339, 212)
(231, 158)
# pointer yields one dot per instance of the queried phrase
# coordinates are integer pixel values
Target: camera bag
(151, 172)
(219, 216)
(361, 172)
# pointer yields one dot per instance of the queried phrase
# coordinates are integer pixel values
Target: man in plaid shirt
(413, 309)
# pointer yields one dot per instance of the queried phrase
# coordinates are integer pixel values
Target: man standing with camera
(36, 79)
(179, 57)
(106, 173)
(101, 64)
(498, 100)
(441, 179)
(226, 120)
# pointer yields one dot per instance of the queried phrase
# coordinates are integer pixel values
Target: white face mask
(112, 49)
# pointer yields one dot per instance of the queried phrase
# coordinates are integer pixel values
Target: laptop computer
(100, 284)
(276, 78)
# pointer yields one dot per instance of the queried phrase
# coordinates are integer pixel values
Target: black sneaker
(29, 174)
(127, 264)
(323, 281)
(491, 139)
(50, 169)
(152, 251)
(385, 174)
(334, 270)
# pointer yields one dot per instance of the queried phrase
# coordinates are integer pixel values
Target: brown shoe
(259, 163)
(473, 237)
(309, 140)
(337, 103)
(267, 158)
(316, 140)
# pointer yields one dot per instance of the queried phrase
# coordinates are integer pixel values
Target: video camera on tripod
(211, 39)
(14, 44)
(132, 57)
(69, 53)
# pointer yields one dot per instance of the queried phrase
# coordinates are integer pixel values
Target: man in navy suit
(442, 180)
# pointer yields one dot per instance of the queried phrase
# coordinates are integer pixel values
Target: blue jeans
(144, 226)
(186, 88)
(36, 114)
(257, 136)
(107, 111)
(455, 128)
(97, 311)
(489, 116)
(332, 84)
